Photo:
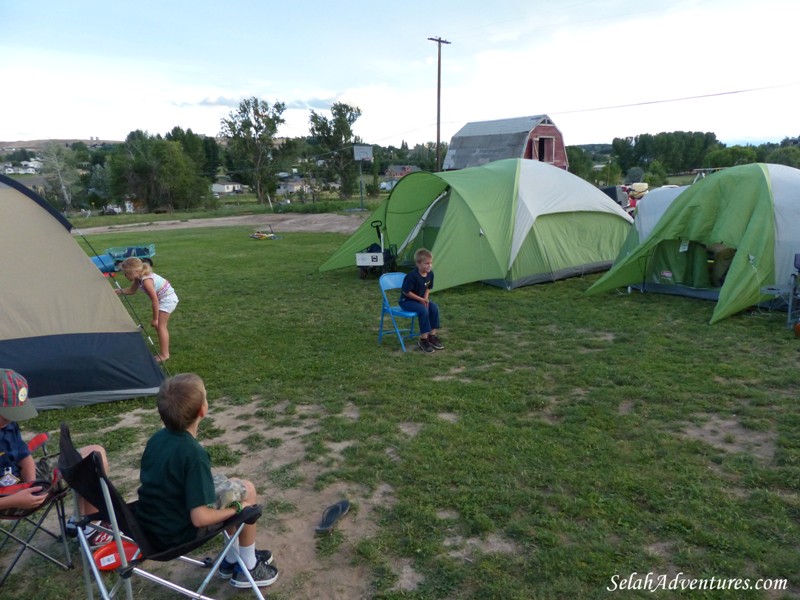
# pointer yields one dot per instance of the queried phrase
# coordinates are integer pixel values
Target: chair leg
(89, 566)
(38, 527)
(790, 319)
(397, 331)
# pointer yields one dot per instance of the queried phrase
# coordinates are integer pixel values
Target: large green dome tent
(509, 223)
(753, 209)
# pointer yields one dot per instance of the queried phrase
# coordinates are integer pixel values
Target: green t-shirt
(175, 477)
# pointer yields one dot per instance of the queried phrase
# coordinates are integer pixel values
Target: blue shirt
(12, 450)
(416, 283)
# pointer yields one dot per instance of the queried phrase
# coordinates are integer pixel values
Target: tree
(99, 186)
(656, 175)
(730, 157)
(335, 139)
(157, 172)
(623, 149)
(251, 132)
(60, 173)
(789, 156)
(192, 146)
(634, 174)
(213, 159)
(580, 163)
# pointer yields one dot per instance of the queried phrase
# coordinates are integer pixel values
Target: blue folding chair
(793, 315)
(388, 282)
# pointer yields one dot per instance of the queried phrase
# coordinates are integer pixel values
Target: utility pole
(439, 41)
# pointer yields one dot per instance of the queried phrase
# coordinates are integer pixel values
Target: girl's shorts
(168, 303)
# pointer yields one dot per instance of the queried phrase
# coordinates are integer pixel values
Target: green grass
(557, 441)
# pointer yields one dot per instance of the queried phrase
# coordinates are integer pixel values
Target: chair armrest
(38, 441)
(249, 515)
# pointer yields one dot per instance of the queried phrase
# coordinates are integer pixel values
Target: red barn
(480, 142)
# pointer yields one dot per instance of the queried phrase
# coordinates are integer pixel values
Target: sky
(599, 68)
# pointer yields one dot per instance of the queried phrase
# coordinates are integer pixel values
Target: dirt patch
(287, 222)
(270, 442)
(729, 435)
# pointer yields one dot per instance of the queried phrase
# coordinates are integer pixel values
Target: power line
(757, 89)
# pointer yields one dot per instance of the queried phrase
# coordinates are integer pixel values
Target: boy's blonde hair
(422, 254)
(179, 400)
(133, 265)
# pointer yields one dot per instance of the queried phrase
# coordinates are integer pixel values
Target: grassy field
(560, 447)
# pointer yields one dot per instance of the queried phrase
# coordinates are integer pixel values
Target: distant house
(287, 188)
(400, 171)
(479, 142)
(226, 187)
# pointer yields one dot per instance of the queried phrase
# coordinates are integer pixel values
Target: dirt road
(287, 222)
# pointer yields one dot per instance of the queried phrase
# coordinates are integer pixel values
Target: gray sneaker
(435, 342)
(262, 574)
(425, 345)
(227, 569)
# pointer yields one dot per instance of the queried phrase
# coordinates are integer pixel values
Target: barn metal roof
(480, 142)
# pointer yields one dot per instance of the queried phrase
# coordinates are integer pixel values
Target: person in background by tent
(721, 257)
(162, 297)
(414, 298)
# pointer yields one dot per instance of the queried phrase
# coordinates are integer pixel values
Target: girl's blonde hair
(135, 266)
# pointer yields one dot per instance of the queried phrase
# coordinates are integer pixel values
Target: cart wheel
(362, 272)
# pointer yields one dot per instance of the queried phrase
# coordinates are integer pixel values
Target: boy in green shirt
(178, 498)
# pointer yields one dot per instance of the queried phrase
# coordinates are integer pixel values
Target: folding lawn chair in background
(88, 479)
(389, 282)
(56, 490)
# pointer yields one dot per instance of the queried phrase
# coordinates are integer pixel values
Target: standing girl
(163, 297)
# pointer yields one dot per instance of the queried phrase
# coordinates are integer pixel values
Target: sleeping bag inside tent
(509, 223)
(725, 238)
(62, 326)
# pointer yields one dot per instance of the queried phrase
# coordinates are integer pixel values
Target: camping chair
(793, 315)
(56, 491)
(87, 477)
(388, 282)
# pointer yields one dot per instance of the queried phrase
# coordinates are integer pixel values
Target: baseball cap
(15, 405)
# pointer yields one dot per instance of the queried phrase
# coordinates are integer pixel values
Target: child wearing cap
(16, 463)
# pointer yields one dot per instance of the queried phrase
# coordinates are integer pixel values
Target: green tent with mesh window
(751, 211)
(509, 223)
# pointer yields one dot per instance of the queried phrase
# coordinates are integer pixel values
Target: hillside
(40, 144)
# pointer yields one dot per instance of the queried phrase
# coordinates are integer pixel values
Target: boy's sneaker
(262, 574)
(97, 538)
(435, 342)
(425, 345)
(71, 527)
(227, 569)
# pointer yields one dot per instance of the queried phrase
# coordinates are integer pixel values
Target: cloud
(311, 104)
(218, 101)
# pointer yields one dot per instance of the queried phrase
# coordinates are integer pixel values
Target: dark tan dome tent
(61, 325)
